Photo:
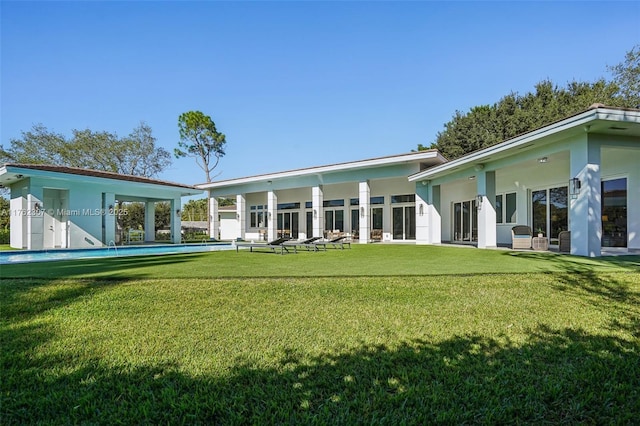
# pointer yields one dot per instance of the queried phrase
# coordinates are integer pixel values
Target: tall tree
(200, 139)
(136, 154)
(627, 76)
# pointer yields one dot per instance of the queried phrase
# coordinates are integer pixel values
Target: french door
(288, 224)
(404, 223)
(550, 214)
(465, 221)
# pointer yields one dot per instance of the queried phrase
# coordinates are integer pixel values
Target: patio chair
(335, 242)
(271, 245)
(521, 237)
(308, 243)
(564, 242)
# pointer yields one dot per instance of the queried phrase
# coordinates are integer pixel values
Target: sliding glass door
(614, 213)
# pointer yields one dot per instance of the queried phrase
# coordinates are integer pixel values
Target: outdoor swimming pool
(8, 257)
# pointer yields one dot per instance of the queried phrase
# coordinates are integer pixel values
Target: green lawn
(379, 334)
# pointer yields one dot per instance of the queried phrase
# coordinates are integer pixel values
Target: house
(579, 174)
(367, 199)
(67, 207)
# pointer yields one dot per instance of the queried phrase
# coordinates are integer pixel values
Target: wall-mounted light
(237, 216)
(269, 215)
(425, 182)
(543, 160)
(472, 178)
(37, 207)
(178, 212)
(315, 213)
(574, 187)
(110, 208)
(361, 211)
(421, 209)
(479, 199)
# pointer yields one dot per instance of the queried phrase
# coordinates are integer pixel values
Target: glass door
(404, 223)
(465, 221)
(614, 213)
(550, 214)
(288, 225)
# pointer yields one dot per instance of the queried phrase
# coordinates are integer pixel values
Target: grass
(376, 335)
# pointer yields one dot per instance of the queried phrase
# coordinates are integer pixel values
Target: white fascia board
(61, 176)
(529, 138)
(374, 162)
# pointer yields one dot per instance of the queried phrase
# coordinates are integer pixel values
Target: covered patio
(67, 207)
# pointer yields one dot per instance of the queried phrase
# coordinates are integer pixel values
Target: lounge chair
(521, 237)
(335, 242)
(271, 245)
(564, 242)
(308, 243)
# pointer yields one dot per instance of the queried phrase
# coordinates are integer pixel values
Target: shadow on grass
(70, 268)
(556, 376)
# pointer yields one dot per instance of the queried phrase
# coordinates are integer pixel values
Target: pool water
(8, 257)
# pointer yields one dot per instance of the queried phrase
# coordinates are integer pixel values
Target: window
(506, 208)
(410, 198)
(288, 206)
(333, 203)
(258, 216)
(377, 200)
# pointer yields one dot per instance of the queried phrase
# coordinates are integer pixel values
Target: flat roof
(430, 156)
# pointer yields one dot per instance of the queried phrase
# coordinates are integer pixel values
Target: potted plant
(540, 233)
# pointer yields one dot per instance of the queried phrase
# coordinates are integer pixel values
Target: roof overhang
(13, 173)
(428, 158)
(601, 120)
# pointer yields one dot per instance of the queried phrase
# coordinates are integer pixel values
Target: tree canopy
(485, 125)
(200, 139)
(135, 154)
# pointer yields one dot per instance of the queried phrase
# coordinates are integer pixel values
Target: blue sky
(292, 84)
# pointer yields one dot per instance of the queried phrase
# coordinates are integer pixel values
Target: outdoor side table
(540, 243)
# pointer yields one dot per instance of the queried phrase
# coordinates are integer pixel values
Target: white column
(317, 201)
(241, 214)
(435, 219)
(109, 217)
(214, 223)
(585, 216)
(272, 216)
(150, 220)
(18, 231)
(422, 213)
(176, 222)
(35, 219)
(487, 232)
(364, 211)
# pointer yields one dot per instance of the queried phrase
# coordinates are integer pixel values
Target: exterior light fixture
(178, 212)
(574, 187)
(421, 209)
(361, 211)
(472, 177)
(37, 207)
(479, 198)
(315, 213)
(543, 160)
